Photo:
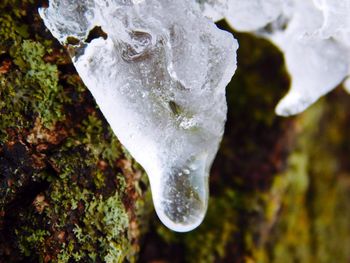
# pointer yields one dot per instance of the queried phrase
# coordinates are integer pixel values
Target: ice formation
(336, 17)
(242, 15)
(316, 63)
(159, 76)
(313, 35)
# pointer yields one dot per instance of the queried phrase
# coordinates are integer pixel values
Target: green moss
(95, 227)
(288, 195)
(9, 33)
(85, 201)
(101, 216)
(17, 7)
(210, 241)
(312, 204)
(90, 198)
(102, 143)
(31, 87)
(34, 239)
(40, 81)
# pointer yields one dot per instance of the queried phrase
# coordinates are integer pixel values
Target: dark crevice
(43, 3)
(96, 32)
(4, 57)
(175, 108)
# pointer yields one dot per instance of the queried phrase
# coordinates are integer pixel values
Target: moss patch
(69, 192)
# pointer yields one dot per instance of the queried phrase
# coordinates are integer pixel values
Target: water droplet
(181, 197)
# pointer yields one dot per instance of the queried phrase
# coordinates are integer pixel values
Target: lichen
(69, 191)
(30, 85)
(100, 232)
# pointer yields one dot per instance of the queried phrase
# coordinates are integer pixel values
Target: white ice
(316, 64)
(250, 15)
(213, 9)
(242, 15)
(159, 78)
(336, 17)
(314, 36)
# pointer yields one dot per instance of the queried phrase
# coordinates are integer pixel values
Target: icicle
(313, 35)
(242, 15)
(316, 64)
(158, 72)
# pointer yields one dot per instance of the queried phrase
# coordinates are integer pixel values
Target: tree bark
(69, 192)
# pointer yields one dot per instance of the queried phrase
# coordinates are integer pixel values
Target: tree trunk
(69, 192)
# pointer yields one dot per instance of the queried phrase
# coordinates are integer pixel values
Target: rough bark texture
(69, 192)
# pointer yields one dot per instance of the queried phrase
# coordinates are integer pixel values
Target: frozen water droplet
(181, 196)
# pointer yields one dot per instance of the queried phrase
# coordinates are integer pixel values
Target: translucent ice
(336, 17)
(242, 15)
(316, 64)
(159, 76)
(250, 15)
(213, 9)
(314, 36)
(315, 42)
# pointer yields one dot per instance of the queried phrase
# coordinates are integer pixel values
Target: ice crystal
(158, 72)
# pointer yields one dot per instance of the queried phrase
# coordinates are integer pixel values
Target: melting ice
(313, 35)
(159, 76)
